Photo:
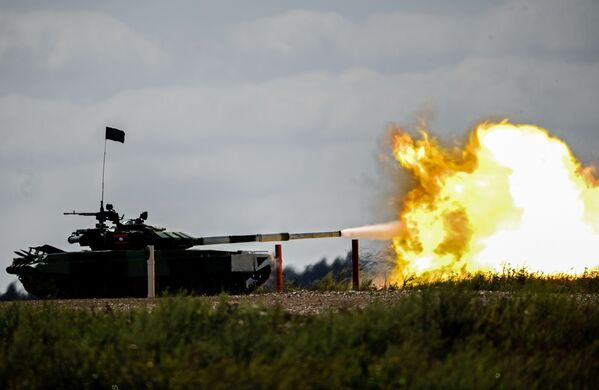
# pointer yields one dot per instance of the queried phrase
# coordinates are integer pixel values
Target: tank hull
(111, 274)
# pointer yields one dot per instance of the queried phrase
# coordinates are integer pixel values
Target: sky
(267, 116)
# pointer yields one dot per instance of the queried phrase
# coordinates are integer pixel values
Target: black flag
(115, 134)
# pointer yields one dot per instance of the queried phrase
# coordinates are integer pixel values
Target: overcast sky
(248, 117)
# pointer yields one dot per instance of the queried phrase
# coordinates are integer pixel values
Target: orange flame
(514, 196)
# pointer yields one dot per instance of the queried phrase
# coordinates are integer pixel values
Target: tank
(115, 265)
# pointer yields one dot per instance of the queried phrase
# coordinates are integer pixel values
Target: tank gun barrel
(263, 237)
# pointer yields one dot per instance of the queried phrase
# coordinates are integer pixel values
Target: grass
(510, 280)
(443, 335)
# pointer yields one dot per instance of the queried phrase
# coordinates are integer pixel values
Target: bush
(510, 280)
(434, 338)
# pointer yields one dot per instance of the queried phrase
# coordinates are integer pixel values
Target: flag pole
(103, 168)
(113, 135)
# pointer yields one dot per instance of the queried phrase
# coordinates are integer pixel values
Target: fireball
(513, 197)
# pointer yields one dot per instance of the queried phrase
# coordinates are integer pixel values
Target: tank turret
(136, 234)
(111, 233)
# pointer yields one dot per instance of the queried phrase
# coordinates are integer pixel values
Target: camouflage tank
(116, 264)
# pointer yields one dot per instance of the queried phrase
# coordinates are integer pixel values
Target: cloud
(49, 52)
(58, 40)
(400, 41)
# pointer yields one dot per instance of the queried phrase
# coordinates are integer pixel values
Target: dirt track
(303, 302)
(297, 302)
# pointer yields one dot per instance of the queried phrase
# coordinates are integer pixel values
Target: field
(509, 331)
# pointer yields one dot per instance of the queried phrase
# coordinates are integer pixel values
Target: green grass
(510, 280)
(441, 337)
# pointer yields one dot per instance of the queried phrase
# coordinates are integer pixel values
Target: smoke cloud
(383, 231)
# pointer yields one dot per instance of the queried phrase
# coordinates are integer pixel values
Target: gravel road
(301, 302)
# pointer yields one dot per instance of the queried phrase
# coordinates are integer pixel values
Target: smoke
(383, 231)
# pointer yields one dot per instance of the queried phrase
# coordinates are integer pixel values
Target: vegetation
(439, 336)
(338, 271)
(511, 280)
(336, 276)
(13, 293)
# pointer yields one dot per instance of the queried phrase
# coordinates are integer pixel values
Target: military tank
(116, 263)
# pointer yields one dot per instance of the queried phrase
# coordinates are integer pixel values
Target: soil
(302, 302)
